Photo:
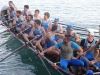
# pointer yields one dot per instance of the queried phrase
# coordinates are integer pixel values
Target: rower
(11, 16)
(46, 23)
(36, 15)
(28, 24)
(66, 53)
(59, 29)
(11, 4)
(35, 31)
(19, 19)
(50, 40)
(26, 11)
(86, 44)
(74, 36)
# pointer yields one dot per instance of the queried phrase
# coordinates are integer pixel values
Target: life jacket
(92, 44)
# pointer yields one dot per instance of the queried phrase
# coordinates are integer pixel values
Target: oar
(15, 36)
(3, 16)
(17, 50)
(44, 64)
(75, 27)
(13, 52)
(41, 58)
(97, 68)
(9, 29)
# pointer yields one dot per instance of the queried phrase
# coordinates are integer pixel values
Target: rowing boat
(55, 65)
(4, 12)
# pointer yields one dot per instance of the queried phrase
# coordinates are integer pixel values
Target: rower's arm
(96, 54)
(40, 18)
(14, 21)
(22, 12)
(48, 30)
(47, 50)
(77, 38)
(61, 29)
(80, 50)
(43, 31)
(32, 32)
(8, 16)
(76, 47)
(42, 39)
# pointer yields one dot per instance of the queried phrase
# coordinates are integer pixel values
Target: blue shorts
(72, 62)
(56, 38)
(90, 57)
(11, 21)
(39, 37)
(19, 26)
(27, 31)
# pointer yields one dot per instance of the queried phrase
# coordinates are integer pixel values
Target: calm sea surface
(81, 13)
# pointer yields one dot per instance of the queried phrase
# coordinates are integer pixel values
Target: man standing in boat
(66, 53)
(26, 11)
(86, 44)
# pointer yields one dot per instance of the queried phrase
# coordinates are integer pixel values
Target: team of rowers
(52, 40)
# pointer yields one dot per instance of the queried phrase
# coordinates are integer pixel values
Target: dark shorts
(27, 31)
(19, 26)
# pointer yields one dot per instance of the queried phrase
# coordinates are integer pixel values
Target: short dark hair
(19, 12)
(26, 6)
(31, 16)
(37, 10)
(68, 36)
(37, 21)
(47, 14)
(12, 8)
(54, 27)
(11, 2)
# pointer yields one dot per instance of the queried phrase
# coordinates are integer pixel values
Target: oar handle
(97, 68)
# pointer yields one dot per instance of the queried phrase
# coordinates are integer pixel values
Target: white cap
(91, 32)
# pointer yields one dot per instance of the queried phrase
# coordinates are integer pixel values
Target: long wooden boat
(56, 66)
